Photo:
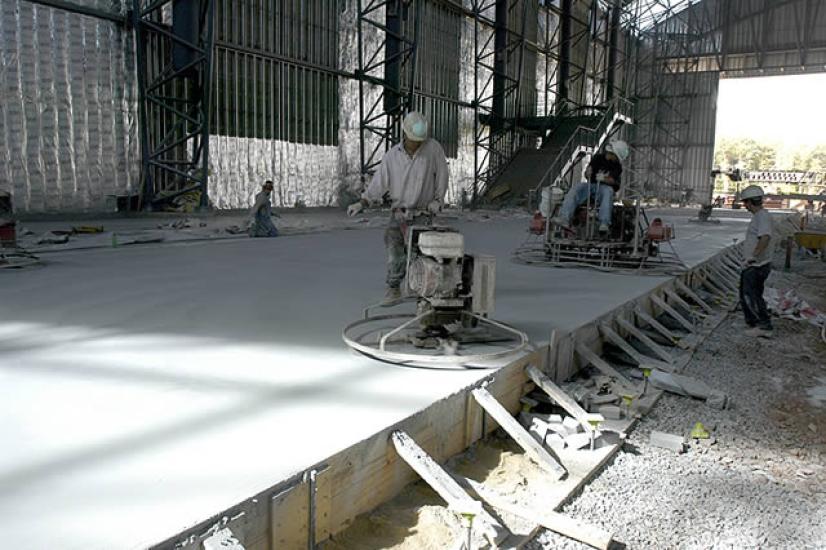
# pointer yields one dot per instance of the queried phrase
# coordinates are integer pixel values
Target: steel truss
(391, 67)
(174, 66)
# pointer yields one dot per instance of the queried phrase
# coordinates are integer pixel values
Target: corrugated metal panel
(67, 108)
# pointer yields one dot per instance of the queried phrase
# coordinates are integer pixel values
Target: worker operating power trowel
(589, 229)
(453, 291)
(414, 175)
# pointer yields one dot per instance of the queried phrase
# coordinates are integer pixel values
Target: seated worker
(603, 174)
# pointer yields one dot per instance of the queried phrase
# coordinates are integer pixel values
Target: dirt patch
(418, 519)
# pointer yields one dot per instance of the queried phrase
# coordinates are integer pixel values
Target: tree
(745, 153)
(813, 159)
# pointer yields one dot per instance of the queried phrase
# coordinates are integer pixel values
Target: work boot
(392, 297)
(758, 332)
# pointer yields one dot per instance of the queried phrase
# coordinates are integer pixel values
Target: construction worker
(414, 175)
(758, 253)
(603, 174)
(260, 224)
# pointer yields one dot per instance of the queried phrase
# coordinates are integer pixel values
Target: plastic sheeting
(68, 108)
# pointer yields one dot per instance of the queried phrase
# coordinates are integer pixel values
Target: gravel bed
(760, 482)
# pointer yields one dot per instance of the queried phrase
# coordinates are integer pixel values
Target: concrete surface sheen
(148, 388)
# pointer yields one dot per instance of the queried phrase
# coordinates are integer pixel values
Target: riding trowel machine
(453, 293)
(632, 243)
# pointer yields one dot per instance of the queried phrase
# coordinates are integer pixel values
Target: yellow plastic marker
(646, 372)
(699, 431)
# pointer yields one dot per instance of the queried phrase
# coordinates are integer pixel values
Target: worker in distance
(413, 175)
(260, 215)
(758, 250)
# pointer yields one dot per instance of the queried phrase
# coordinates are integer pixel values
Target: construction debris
(53, 237)
(688, 386)
(664, 440)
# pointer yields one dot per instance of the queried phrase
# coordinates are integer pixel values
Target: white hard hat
(415, 126)
(619, 148)
(751, 192)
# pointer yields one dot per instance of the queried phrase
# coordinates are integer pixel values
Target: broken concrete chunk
(643, 405)
(603, 399)
(554, 419)
(717, 400)
(611, 412)
(685, 385)
(53, 238)
(555, 442)
(558, 428)
(571, 425)
(538, 429)
(668, 441)
(578, 440)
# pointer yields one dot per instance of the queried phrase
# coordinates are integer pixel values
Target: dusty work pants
(752, 284)
(395, 241)
(262, 225)
(602, 195)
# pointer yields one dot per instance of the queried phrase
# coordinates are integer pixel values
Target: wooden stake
(525, 440)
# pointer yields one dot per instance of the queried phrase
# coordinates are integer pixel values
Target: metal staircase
(564, 143)
(583, 141)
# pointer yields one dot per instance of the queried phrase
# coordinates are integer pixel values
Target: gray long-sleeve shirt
(412, 182)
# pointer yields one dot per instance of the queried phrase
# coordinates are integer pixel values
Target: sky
(788, 110)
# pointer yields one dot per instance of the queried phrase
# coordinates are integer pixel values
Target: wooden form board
(290, 513)
(606, 369)
(659, 327)
(643, 361)
(685, 323)
(632, 329)
(441, 482)
(559, 523)
(688, 291)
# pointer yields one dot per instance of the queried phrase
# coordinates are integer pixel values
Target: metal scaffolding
(494, 77)
(174, 85)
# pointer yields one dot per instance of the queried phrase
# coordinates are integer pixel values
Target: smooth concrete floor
(148, 388)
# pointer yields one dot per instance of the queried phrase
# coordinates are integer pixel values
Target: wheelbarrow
(812, 240)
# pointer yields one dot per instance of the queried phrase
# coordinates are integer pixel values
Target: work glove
(602, 175)
(355, 208)
(434, 207)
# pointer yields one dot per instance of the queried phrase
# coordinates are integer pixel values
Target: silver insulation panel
(68, 108)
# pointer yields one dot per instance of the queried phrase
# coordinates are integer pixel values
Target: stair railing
(583, 141)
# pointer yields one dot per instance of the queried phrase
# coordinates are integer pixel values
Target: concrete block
(538, 429)
(611, 412)
(558, 428)
(668, 441)
(555, 442)
(571, 425)
(643, 405)
(717, 400)
(578, 440)
(603, 399)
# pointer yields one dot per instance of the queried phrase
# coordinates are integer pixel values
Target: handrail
(585, 140)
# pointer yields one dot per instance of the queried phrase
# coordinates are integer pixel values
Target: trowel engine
(446, 282)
